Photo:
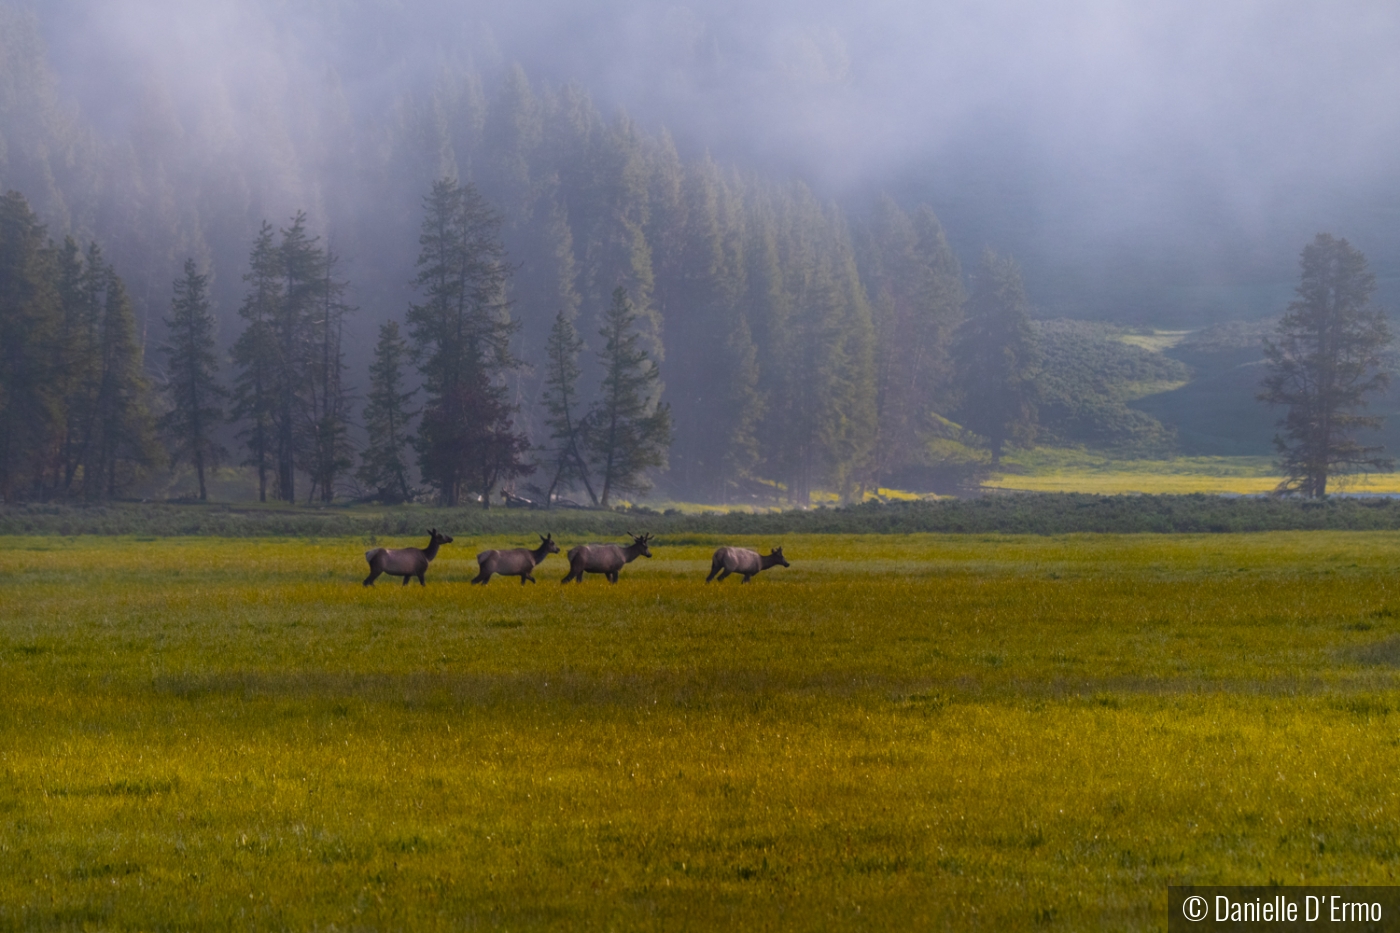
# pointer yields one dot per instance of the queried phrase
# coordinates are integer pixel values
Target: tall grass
(970, 732)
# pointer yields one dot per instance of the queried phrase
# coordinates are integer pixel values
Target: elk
(606, 559)
(741, 560)
(406, 562)
(516, 562)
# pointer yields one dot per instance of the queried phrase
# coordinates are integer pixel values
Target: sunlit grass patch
(1066, 470)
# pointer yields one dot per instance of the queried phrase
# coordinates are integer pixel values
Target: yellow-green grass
(919, 732)
(1058, 470)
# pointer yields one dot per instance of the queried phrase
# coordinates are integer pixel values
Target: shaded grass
(1019, 513)
(896, 732)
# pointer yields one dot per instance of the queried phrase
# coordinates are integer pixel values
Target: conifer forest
(472, 282)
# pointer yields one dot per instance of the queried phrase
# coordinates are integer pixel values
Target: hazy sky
(1191, 143)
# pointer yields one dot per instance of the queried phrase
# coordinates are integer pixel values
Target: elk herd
(607, 559)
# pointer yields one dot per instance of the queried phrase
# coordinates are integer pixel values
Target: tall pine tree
(1325, 359)
(326, 447)
(79, 375)
(255, 354)
(384, 464)
(915, 292)
(998, 360)
(195, 396)
(467, 442)
(629, 428)
(30, 321)
(126, 446)
(565, 417)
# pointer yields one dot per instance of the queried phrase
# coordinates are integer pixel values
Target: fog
(1154, 162)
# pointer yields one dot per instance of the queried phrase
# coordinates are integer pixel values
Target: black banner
(1334, 908)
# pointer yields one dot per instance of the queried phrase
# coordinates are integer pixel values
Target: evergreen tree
(79, 368)
(915, 294)
(30, 320)
(1325, 360)
(290, 393)
(629, 428)
(466, 440)
(196, 398)
(820, 418)
(255, 353)
(383, 465)
(299, 269)
(326, 446)
(564, 417)
(997, 358)
(126, 445)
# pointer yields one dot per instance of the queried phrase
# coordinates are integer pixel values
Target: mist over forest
(758, 176)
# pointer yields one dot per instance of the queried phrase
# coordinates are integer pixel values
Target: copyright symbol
(1195, 908)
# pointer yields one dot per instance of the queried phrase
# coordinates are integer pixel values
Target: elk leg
(407, 578)
(369, 580)
(724, 573)
(421, 581)
(747, 578)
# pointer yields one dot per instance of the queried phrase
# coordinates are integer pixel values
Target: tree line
(79, 417)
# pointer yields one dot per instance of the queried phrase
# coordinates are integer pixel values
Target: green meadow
(897, 732)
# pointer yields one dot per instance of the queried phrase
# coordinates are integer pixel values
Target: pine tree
(79, 368)
(915, 294)
(997, 358)
(629, 428)
(1325, 360)
(565, 419)
(255, 353)
(196, 398)
(299, 268)
(461, 334)
(30, 321)
(290, 393)
(126, 445)
(383, 465)
(326, 447)
(819, 421)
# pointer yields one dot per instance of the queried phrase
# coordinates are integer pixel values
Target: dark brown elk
(606, 559)
(516, 562)
(406, 562)
(741, 560)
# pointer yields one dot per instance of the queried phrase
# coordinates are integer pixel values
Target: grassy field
(897, 732)
(1056, 470)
